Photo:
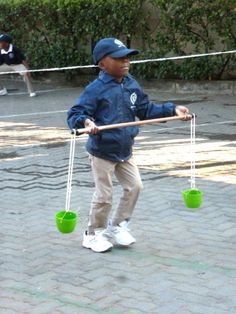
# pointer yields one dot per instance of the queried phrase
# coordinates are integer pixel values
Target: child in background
(114, 97)
(12, 59)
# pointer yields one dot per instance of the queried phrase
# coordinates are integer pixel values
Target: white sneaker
(3, 92)
(120, 234)
(32, 94)
(96, 242)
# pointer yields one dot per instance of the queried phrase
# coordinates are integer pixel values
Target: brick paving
(183, 261)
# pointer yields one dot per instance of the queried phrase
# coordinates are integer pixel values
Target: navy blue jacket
(13, 56)
(106, 101)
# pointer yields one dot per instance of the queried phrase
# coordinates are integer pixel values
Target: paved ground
(183, 261)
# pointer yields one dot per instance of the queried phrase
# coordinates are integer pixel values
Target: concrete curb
(224, 87)
(194, 87)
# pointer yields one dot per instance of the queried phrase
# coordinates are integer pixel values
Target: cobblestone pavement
(183, 261)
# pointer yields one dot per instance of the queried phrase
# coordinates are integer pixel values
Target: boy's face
(4, 45)
(118, 67)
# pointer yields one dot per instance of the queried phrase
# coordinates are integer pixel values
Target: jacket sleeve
(149, 110)
(83, 109)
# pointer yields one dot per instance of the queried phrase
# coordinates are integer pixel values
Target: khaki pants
(16, 68)
(128, 176)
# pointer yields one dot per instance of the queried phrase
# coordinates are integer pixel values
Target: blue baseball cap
(6, 38)
(111, 47)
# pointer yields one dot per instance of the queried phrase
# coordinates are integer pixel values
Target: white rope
(70, 171)
(192, 151)
(186, 57)
(133, 62)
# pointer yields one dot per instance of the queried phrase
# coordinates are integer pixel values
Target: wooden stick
(127, 124)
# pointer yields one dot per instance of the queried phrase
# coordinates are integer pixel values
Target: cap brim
(123, 52)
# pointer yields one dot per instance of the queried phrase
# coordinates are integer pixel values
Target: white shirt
(10, 48)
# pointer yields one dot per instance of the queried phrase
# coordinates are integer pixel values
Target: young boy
(12, 59)
(114, 97)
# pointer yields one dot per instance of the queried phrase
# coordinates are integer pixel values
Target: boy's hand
(183, 112)
(92, 126)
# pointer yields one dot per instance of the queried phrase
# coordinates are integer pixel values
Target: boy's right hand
(93, 129)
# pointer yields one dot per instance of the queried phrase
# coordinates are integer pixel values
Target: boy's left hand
(183, 112)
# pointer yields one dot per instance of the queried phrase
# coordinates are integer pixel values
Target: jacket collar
(10, 48)
(106, 78)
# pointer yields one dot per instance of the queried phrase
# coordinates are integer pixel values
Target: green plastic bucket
(192, 198)
(66, 221)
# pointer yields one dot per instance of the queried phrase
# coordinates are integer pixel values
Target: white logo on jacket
(133, 98)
